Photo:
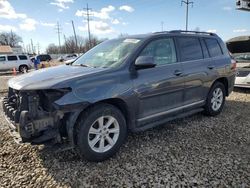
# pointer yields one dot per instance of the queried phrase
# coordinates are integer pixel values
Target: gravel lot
(3, 83)
(196, 151)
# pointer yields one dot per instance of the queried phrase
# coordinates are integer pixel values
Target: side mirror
(144, 62)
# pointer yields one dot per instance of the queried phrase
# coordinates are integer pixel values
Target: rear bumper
(231, 83)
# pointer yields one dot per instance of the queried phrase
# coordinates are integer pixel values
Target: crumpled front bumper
(25, 128)
(10, 115)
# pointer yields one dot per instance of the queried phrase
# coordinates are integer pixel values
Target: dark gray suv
(126, 84)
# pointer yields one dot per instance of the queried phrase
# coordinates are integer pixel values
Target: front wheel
(215, 99)
(101, 130)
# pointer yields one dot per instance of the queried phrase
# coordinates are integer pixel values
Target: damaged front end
(33, 116)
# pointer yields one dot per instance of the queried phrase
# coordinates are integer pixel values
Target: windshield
(108, 54)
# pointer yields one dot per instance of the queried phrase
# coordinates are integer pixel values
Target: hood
(46, 78)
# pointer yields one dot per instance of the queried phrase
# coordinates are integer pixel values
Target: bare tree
(11, 39)
(70, 46)
(52, 49)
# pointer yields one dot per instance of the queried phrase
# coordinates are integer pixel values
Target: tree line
(71, 44)
(11, 39)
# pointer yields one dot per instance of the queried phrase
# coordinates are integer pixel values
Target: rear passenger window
(22, 57)
(190, 48)
(213, 47)
(12, 58)
(162, 50)
(204, 48)
(2, 58)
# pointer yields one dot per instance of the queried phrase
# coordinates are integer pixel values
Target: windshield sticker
(134, 41)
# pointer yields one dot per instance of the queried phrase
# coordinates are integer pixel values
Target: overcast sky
(36, 19)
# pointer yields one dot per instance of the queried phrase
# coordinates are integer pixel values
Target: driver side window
(162, 50)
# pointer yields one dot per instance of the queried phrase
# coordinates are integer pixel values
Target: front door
(159, 90)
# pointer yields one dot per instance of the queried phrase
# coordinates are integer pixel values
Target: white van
(22, 63)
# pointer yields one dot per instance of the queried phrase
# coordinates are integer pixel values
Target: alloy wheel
(103, 134)
(217, 99)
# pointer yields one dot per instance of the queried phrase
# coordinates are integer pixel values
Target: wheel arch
(224, 81)
(117, 102)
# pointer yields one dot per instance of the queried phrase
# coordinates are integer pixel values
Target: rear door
(219, 61)
(159, 90)
(194, 69)
(12, 62)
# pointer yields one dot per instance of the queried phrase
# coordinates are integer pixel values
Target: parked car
(243, 70)
(20, 62)
(242, 57)
(42, 57)
(67, 57)
(126, 84)
(70, 61)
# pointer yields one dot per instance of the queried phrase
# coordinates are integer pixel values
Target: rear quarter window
(12, 58)
(214, 48)
(22, 57)
(190, 48)
(2, 58)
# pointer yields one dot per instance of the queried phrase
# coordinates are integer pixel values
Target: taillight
(233, 64)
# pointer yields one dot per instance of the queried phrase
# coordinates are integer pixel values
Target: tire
(215, 99)
(23, 68)
(90, 144)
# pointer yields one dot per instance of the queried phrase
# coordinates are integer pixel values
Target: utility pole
(38, 48)
(11, 38)
(187, 2)
(73, 26)
(28, 48)
(65, 42)
(88, 14)
(32, 46)
(58, 31)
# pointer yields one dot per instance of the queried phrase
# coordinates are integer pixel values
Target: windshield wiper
(83, 65)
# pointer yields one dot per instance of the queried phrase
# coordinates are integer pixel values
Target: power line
(88, 14)
(58, 31)
(187, 2)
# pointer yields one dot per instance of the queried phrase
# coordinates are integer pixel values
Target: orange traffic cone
(14, 71)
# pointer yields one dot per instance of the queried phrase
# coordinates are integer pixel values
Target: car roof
(174, 33)
(12, 54)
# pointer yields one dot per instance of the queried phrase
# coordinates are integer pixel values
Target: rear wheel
(23, 68)
(215, 100)
(101, 131)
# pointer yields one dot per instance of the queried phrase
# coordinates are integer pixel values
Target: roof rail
(193, 32)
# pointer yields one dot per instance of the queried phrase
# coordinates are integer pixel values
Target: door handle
(177, 73)
(211, 67)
